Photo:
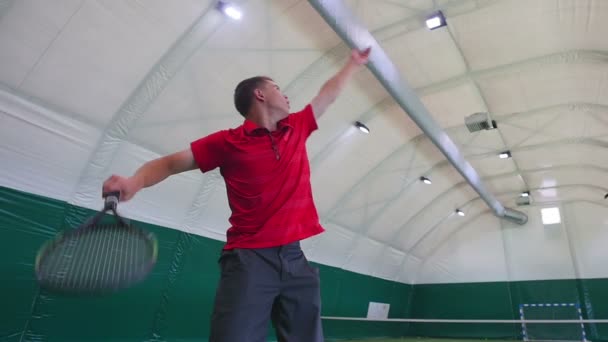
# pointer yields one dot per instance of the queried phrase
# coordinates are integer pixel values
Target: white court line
(548, 321)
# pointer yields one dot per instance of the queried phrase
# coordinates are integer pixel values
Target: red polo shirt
(267, 176)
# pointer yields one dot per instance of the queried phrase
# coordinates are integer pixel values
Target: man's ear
(259, 94)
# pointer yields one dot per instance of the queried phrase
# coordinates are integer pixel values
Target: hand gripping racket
(97, 258)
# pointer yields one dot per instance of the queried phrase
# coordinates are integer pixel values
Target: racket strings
(97, 258)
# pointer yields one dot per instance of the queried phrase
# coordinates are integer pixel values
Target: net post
(580, 317)
(524, 332)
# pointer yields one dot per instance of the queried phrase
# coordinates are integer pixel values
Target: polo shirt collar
(252, 128)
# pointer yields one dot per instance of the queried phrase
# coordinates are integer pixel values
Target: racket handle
(111, 200)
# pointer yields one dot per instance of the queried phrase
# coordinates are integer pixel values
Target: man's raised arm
(334, 86)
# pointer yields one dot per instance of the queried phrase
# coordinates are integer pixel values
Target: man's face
(275, 98)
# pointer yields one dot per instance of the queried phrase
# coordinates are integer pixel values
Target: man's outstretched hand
(330, 90)
(360, 57)
(127, 187)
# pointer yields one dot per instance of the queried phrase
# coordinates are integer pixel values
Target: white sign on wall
(378, 310)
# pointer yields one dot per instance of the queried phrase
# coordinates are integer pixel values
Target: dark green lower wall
(173, 304)
(502, 300)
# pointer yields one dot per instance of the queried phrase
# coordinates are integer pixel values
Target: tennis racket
(97, 258)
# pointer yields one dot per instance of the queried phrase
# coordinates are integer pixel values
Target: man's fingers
(361, 56)
(111, 184)
(364, 53)
(117, 183)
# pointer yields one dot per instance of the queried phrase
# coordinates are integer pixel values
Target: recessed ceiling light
(436, 20)
(361, 127)
(426, 180)
(504, 155)
(229, 10)
(550, 215)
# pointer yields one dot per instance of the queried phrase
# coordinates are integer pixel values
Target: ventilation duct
(521, 201)
(479, 121)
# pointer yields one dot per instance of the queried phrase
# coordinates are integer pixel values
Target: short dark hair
(243, 93)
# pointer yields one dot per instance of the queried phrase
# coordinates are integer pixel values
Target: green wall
(173, 304)
(501, 300)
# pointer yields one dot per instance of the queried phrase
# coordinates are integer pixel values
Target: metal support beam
(356, 35)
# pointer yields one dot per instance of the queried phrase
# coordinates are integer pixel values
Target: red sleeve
(305, 120)
(209, 151)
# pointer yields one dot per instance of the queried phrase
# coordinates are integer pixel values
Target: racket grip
(111, 200)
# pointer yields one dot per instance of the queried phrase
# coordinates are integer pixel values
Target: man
(264, 274)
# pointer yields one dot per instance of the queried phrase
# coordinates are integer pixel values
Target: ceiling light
(426, 180)
(525, 194)
(229, 10)
(436, 20)
(550, 215)
(361, 127)
(459, 212)
(504, 155)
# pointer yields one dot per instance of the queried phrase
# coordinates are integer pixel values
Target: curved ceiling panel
(89, 88)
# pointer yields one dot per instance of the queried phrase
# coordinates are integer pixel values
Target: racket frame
(111, 200)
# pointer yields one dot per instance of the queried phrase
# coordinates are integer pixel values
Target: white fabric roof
(94, 87)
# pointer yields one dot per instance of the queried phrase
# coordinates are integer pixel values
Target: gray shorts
(259, 285)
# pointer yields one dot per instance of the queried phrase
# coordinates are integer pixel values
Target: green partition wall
(174, 303)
